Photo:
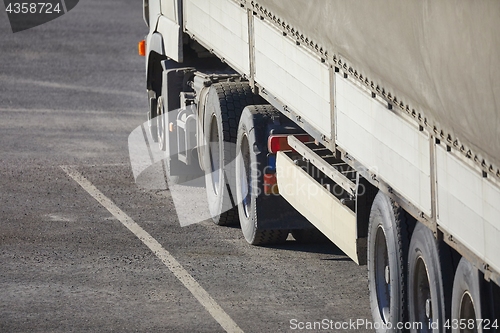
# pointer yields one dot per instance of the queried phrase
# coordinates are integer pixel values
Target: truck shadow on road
(326, 248)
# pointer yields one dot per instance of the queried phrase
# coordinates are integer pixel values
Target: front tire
(152, 122)
(161, 125)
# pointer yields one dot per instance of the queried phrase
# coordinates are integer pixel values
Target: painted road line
(120, 112)
(173, 265)
(65, 86)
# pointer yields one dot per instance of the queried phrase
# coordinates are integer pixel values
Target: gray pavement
(71, 92)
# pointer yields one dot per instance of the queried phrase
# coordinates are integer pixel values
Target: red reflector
(270, 184)
(142, 48)
(279, 142)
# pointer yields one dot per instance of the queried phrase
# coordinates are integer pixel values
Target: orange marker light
(142, 48)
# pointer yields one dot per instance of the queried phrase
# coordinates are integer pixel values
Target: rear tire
(427, 282)
(225, 102)
(256, 209)
(387, 252)
(466, 299)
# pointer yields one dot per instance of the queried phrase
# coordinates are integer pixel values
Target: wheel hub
(467, 310)
(214, 155)
(245, 176)
(428, 308)
(382, 275)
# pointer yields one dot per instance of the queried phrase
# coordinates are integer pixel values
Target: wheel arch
(366, 195)
(156, 54)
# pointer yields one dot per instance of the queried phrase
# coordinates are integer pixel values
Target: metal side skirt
(319, 206)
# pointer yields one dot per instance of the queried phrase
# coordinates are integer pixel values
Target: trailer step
(335, 169)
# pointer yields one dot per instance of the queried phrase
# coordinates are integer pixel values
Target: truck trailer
(374, 124)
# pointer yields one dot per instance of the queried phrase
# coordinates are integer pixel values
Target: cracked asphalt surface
(71, 92)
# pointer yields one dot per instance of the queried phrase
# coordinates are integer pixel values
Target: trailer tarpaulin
(442, 58)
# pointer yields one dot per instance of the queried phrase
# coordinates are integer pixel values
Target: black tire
(161, 125)
(466, 300)
(255, 208)
(388, 241)
(225, 102)
(427, 281)
(309, 236)
(152, 122)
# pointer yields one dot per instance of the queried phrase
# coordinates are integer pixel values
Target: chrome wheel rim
(467, 312)
(422, 302)
(245, 176)
(214, 155)
(161, 124)
(382, 275)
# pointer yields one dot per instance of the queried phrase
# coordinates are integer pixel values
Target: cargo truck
(375, 124)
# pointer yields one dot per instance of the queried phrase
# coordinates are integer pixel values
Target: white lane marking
(173, 265)
(64, 6)
(56, 85)
(116, 112)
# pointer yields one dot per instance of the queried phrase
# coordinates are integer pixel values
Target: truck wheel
(153, 109)
(161, 125)
(466, 299)
(426, 289)
(387, 251)
(225, 102)
(254, 206)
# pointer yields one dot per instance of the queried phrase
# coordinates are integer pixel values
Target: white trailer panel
(221, 25)
(384, 142)
(294, 75)
(319, 206)
(468, 207)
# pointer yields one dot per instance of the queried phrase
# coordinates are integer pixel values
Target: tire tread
(233, 98)
(403, 224)
(270, 237)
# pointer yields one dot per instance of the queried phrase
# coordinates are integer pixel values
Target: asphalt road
(71, 93)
